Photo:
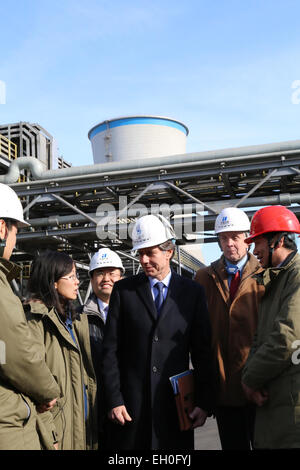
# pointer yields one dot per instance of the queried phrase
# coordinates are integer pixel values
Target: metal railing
(7, 148)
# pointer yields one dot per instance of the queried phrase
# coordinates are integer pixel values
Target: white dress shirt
(103, 307)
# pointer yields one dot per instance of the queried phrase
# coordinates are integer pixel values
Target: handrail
(7, 148)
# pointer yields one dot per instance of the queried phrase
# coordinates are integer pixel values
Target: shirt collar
(102, 305)
(232, 268)
(287, 259)
(165, 281)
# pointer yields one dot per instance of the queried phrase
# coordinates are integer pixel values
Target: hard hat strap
(271, 249)
(270, 257)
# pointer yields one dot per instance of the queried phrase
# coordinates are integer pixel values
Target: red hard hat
(273, 219)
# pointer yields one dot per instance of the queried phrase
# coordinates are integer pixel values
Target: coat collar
(268, 275)
(92, 307)
(217, 270)
(10, 269)
(173, 295)
(39, 308)
(219, 267)
(144, 291)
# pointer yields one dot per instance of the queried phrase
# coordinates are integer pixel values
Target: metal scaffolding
(70, 209)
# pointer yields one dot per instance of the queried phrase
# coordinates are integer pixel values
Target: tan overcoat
(233, 325)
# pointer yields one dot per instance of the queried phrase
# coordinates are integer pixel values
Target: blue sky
(224, 68)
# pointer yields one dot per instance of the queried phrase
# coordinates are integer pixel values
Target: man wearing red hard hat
(271, 376)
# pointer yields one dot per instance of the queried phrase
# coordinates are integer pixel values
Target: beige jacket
(25, 379)
(72, 367)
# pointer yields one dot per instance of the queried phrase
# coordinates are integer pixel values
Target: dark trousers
(236, 426)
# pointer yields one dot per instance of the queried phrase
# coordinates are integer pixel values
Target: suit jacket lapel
(144, 291)
(173, 295)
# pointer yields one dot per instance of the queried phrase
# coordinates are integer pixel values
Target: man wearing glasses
(105, 269)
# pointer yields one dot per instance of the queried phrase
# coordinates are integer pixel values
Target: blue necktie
(105, 310)
(159, 299)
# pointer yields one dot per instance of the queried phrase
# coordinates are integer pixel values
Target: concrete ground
(207, 437)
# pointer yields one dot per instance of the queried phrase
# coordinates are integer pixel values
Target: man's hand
(119, 415)
(259, 397)
(198, 416)
(46, 406)
(247, 391)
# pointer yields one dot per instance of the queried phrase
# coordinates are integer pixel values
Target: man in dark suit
(149, 336)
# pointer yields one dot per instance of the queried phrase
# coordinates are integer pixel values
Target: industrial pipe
(174, 161)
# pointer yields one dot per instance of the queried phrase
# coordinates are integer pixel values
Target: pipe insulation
(140, 165)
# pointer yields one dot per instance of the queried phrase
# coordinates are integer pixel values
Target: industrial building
(139, 162)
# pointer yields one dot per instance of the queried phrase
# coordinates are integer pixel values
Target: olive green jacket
(72, 367)
(273, 363)
(25, 379)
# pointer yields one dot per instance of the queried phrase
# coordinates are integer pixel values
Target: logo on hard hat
(225, 222)
(104, 255)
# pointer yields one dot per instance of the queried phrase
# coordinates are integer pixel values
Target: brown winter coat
(233, 325)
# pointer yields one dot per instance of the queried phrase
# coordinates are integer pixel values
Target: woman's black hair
(46, 269)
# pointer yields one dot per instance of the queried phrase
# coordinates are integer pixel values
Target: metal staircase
(8, 150)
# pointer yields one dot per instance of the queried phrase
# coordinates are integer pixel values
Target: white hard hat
(151, 230)
(106, 258)
(10, 205)
(232, 219)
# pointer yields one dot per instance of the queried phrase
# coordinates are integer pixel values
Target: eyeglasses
(73, 277)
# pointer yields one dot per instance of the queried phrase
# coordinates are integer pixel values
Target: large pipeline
(254, 152)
